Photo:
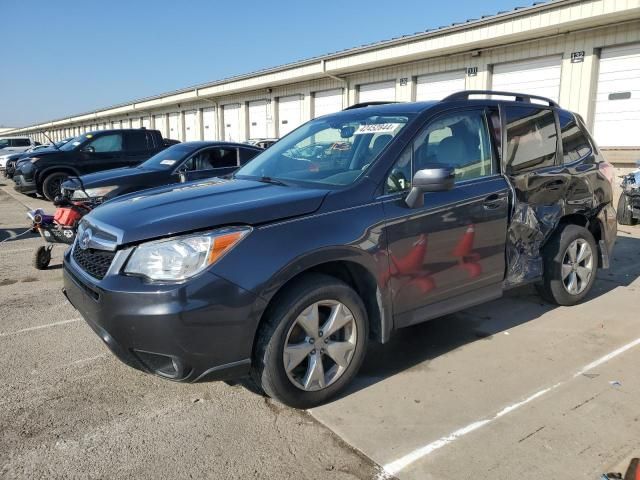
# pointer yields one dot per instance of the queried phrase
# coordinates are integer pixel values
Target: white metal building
(583, 53)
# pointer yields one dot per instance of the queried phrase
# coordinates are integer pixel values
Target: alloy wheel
(320, 345)
(577, 266)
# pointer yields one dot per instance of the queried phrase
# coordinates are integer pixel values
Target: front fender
(273, 254)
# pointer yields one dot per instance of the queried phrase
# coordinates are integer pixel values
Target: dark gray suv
(352, 226)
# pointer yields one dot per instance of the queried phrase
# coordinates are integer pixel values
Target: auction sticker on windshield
(167, 162)
(377, 128)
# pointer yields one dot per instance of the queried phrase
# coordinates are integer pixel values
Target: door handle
(493, 201)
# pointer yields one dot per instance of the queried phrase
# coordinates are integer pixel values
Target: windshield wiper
(272, 181)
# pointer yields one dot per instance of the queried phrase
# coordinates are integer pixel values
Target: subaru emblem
(85, 239)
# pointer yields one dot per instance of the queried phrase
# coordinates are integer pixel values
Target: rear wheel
(312, 343)
(51, 185)
(624, 213)
(570, 265)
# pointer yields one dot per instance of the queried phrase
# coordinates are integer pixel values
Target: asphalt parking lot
(512, 389)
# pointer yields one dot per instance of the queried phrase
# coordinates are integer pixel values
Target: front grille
(94, 262)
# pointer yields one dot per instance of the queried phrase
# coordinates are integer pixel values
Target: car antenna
(52, 142)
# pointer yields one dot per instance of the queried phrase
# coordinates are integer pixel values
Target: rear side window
(138, 141)
(247, 154)
(213, 158)
(531, 138)
(574, 142)
(20, 142)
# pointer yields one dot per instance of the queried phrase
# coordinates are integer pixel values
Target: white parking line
(16, 250)
(39, 327)
(401, 463)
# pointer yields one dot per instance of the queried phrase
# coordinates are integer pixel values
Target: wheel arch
(593, 224)
(351, 266)
(40, 176)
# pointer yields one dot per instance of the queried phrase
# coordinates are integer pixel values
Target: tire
(42, 258)
(557, 259)
(282, 326)
(624, 213)
(51, 185)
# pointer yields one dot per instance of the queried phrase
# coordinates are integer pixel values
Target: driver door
(450, 252)
(103, 152)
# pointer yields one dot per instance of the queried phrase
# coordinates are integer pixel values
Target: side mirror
(437, 178)
(182, 175)
(89, 150)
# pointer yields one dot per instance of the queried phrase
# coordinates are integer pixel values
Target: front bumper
(23, 185)
(199, 330)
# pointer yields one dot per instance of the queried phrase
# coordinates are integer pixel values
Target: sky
(62, 57)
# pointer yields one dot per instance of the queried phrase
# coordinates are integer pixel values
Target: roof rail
(519, 97)
(366, 104)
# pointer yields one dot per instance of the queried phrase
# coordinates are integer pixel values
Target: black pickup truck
(43, 172)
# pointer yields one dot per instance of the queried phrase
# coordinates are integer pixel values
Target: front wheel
(570, 265)
(52, 184)
(312, 342)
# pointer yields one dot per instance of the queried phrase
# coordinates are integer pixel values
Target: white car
(15, 144)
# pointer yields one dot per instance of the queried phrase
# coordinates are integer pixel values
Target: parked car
(179, 163)
(7, 157)
(44, 172)
(15, 144)
(10, 160)
(629, 201)
(263, 143)
(288, 269)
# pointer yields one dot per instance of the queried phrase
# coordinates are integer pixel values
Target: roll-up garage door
(135, 123)
(327, 102)
(439, 85)
(377, 92)
(146, 122)
(258, 119)
(174, 126)
(231, 114)
(617, 117)
(126, 123)
(289, 114)
(539, 76)
(209, 124)
(191, 126)
(160, 122)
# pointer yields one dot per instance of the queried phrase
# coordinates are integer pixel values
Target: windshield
(332, 150)
(168, 158)
(4, 142)
(73, 143)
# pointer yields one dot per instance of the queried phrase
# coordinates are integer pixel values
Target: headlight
(93, 192)
(183, 257)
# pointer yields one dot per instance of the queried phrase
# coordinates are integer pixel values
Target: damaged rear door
(539, 183)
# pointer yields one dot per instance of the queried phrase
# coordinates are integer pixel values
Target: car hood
(117, 176)
(42, 154)
(200, 205)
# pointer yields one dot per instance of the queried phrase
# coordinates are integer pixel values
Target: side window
(574, 142)
(460, 140)
(21, 142)
(137, 141)
(247, 154)
(107, 143)
(224, 157)
(212, 158)
(531, 138)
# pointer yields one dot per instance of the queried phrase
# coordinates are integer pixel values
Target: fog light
(163, 365)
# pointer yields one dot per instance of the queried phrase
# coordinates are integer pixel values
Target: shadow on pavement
(12, 234)
(416, 344)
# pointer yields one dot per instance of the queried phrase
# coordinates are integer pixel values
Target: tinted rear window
(531, 138)
(574, 141)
